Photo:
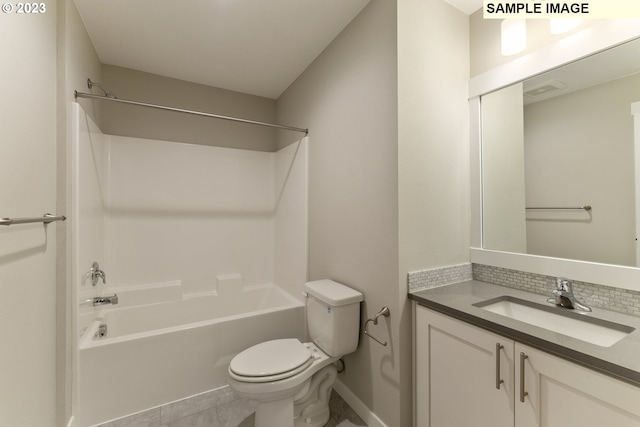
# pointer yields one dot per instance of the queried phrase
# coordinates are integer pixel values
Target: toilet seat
(271, 361)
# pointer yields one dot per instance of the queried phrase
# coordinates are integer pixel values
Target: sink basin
(561, 320)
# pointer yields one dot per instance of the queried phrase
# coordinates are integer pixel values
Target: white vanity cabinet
(559, 393)
(467, 376)
(464, 374)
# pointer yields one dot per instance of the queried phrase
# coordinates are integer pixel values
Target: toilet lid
(272, 359)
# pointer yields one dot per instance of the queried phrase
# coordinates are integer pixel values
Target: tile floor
(222, 408)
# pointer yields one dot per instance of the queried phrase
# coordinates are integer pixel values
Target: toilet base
(317, 420)
(312, 408)
(309, 407)
(274, 414)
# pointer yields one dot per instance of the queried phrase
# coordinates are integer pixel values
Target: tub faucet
(103, 300)
(97, 274)
(563, 296)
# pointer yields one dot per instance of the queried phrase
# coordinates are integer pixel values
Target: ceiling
(257, 47)
(467, 6)
(251, 46)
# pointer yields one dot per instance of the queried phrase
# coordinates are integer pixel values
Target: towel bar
(580, 208)
(46, 218)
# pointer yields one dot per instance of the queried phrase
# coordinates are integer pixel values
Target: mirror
(558, 161)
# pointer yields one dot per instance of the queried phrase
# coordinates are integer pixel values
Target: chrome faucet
(103, 300)
(97, 274)
(563, 296)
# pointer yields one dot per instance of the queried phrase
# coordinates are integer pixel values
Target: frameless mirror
(559, 165)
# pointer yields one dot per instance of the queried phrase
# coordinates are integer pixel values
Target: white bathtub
(158, 353)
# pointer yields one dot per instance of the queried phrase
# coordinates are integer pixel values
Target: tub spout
(101, 332)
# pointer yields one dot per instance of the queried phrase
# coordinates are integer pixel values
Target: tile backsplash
(424, 279)
(610, 298)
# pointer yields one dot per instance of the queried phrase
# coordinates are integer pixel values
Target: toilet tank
(333, 316)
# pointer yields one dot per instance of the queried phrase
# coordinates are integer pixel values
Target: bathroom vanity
(493, 356)
(480, 361)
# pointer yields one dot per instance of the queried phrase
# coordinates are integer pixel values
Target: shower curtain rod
(180, 110)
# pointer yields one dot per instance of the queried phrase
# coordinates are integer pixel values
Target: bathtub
(157, 353)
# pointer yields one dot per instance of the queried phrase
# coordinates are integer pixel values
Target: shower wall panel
(189, 212)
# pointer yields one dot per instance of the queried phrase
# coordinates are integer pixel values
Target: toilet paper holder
(384, 311)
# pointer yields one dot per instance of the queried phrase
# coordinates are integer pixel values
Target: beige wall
(433, 152)
(348, 99)
(79, 60)
(433, 135)
(579, 150)
(28, 251)
(124, 120)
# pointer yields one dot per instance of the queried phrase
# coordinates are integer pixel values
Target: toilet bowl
(284, 377)
(291, 381)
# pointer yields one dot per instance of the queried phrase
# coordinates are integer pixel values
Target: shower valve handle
(97, 274)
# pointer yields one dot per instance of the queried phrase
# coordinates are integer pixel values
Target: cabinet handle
(523, 393)
(498, 380)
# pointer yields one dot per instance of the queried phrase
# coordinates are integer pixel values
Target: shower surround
(171, 222)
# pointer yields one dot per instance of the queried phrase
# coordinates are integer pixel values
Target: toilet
(291, 381)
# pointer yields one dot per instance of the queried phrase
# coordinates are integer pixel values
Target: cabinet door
(562, 394)
(457, 366)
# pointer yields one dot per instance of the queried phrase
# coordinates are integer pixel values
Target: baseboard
(357, 405)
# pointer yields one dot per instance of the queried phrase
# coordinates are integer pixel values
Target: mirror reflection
(558, 161)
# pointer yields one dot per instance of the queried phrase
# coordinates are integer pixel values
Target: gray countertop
(621, 360)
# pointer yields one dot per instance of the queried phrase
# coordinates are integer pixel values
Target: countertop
(621, 360)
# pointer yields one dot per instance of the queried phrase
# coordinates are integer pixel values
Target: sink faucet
(563, 296)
